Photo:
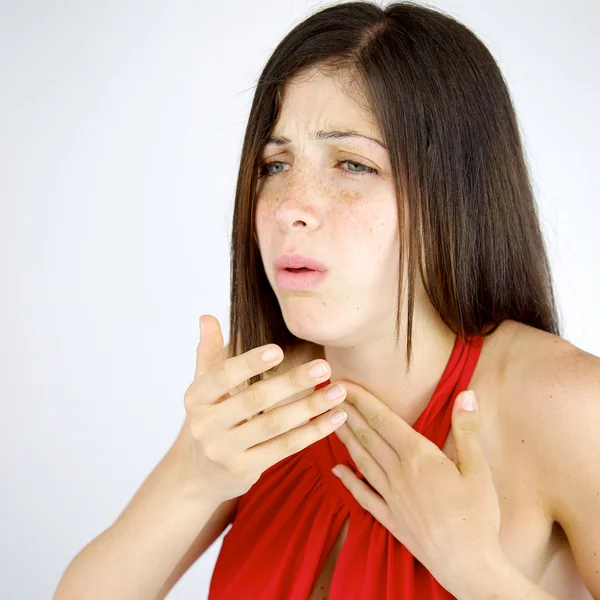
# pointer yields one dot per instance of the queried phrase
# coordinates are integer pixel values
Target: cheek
(362, 220)
(264, 219)
(353, 219)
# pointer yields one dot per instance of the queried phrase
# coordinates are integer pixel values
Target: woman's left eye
(367, 170)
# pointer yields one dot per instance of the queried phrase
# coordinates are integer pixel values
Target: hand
(447, 515)
(226, 449)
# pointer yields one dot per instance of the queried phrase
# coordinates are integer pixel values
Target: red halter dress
(285, 525)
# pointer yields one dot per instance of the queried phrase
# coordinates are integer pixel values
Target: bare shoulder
(547, 383)
(533, 347)
(544, 385)
(548, 374)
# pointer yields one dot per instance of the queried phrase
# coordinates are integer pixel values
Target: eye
(367, 170)
(265, 168)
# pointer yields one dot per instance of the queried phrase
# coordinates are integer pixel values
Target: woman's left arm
(568, 445)
(564, 426)
(431, 506)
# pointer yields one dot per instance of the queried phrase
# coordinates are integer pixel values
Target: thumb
(209, 352)
(465, 427)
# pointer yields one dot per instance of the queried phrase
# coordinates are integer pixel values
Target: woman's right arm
(163, 530)
(225, 444)
(165, 527)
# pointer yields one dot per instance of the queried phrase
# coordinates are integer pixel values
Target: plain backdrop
(121, 125)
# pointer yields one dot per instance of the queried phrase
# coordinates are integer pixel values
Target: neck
(379, 367)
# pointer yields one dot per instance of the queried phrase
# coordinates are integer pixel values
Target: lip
(297, 261)
(302, 280)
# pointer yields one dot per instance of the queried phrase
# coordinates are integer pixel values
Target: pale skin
(530, 450)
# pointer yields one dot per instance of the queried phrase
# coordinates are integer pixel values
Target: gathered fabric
(285, 526)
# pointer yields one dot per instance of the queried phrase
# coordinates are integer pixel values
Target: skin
(348, 220)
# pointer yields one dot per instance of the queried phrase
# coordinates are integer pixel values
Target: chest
(535, 545)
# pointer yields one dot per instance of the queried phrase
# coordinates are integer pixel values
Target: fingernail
(338, 417)
(269, 355)
(468, 400)
(334, 392)
(317, 370)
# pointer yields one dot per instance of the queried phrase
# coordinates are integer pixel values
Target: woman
(382, 187)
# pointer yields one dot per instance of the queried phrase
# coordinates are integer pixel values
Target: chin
(307, 326)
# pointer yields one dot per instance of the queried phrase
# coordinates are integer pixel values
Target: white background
(121, 125)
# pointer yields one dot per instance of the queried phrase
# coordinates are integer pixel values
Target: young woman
(382, 189)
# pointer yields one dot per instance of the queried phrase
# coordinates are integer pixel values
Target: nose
(298, 208)
(295, 218)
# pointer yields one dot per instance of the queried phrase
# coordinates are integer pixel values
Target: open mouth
(300, 270)
(299, 278)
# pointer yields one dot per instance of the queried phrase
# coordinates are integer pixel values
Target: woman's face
(310, 201)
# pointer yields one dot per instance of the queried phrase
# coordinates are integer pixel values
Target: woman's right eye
(265, 168)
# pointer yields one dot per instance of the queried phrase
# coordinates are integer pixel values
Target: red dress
(285, 525)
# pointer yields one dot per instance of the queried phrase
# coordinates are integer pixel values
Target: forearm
(133, 558)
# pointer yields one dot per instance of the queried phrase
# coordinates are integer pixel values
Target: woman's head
(451, 207)
(331, 198)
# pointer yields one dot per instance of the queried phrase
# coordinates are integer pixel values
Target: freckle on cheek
(349, 209)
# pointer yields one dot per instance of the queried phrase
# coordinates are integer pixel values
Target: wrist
(184, 477)
(488, 579)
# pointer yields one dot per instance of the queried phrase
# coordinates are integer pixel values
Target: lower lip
(299, 280)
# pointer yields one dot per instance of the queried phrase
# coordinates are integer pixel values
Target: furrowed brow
(335, 134)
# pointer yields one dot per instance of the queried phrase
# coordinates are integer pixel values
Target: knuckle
(414, 465)
(212, 452)
(252, 399)
(247, 360)
(245, 364)
(198, 428)
(270, 425)
(366, 503)
(220, 375)
(470, 427)
(364, 438)
(188, 400)
(315, 403)
(375, 420)
(296, 379)
(192, 395)
(236, 469)
(321, 427)
(287, 444)
(362, 465)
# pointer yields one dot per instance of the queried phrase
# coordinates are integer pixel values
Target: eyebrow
(321, 134)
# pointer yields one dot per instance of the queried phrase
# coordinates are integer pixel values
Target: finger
(390, 426)
(282, 419)
(370, 500)
(272, 451)
(465, 427)
(264, 394)
(210, 347)
(369, 447)
(365, 462)
(230, 373)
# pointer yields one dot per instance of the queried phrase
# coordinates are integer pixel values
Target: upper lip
(297, 261)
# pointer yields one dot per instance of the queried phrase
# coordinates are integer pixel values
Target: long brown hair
(458, 167)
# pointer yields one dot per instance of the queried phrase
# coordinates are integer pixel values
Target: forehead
(314, 100)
